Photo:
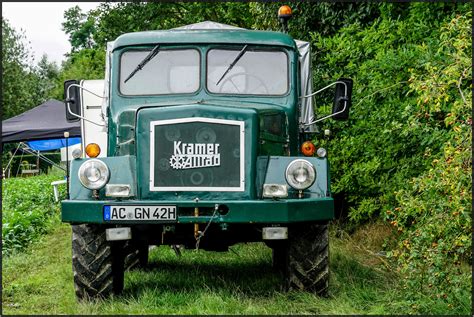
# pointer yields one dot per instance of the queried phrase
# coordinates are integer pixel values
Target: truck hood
(198, 150)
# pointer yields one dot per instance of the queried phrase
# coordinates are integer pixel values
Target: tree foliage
(84, 64)
(80, 27)
(20, 84)
(325, 18)
(48, 76)
(110, 20)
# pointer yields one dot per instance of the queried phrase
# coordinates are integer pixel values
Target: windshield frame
(251, 48)
(163, 48)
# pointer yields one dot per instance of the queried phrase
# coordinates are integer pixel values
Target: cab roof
(200, 36)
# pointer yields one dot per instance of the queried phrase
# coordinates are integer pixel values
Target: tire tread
(308, 258)
(92, 262)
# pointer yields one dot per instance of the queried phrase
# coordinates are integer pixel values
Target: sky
(41, 22)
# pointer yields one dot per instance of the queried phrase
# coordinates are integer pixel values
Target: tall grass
(28, 208)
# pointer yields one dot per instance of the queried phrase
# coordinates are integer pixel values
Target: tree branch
(459, 84)
(402, 82)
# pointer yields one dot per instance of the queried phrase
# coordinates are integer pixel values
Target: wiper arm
(241, 53)
(148, 58)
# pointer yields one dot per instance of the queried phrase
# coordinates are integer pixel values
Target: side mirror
(72, 100)
(341, 99)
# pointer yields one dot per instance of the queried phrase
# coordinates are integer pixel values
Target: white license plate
(126, 213)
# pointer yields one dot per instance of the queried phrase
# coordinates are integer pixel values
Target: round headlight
(94, 174)
(300, 174)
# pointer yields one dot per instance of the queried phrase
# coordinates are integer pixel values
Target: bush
(405, 154)
(434, 213)
(28, 209)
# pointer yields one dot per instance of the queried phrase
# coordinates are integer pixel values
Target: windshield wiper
(148, 58)
(241, 53)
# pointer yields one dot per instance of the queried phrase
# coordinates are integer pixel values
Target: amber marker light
(284, 12)
(92, 150)
(308, 148)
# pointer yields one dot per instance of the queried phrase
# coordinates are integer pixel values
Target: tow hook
(196, 214)
(201, 234)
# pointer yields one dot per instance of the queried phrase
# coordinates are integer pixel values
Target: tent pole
(11, 159)
(66, 135)
(19, 165)
(38, 162)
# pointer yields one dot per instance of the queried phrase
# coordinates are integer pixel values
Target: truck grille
(197, 154)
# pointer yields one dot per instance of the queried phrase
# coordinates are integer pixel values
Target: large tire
(308, 258)
(97, 263)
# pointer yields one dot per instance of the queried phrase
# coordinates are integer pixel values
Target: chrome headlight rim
(321, 152)
(311, 173)
(76, 153)
(101, 167)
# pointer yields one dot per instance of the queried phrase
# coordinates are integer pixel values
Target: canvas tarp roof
(46, 121)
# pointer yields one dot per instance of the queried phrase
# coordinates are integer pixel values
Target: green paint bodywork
(266, 154)
(315, 205)
(122, 171)
(240, 211)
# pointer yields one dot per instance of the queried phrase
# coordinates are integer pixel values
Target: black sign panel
(195, 155)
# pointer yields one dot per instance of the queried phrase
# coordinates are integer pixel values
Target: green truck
(206, 131)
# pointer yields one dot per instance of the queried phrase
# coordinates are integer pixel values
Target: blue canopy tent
(53, 144)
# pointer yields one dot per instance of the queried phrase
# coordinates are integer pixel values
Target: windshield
(254, 73)
(168, 72)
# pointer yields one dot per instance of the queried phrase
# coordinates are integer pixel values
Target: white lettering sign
(195, 155)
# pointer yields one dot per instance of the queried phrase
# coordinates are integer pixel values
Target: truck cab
(205, 148)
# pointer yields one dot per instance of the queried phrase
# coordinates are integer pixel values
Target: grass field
(37, 275)
(39, 281)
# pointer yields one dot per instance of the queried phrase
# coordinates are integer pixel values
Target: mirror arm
(68, 101)
(330, 85)
(328, 116)
(345, 99)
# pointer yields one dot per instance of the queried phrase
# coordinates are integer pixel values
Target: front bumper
(247, 211)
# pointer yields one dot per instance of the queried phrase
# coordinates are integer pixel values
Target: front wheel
(308, 258)
(98, 265)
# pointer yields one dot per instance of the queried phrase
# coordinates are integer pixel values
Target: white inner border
(241, 124)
